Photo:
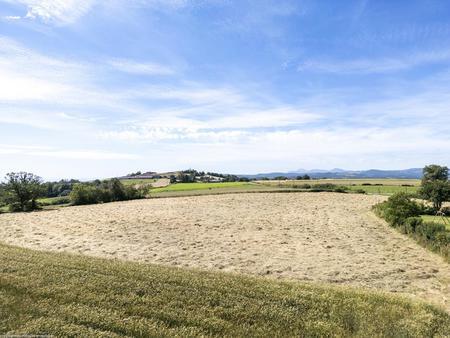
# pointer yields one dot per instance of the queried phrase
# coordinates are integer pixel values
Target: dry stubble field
(321, 237)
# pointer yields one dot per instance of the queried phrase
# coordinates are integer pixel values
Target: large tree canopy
(435, 185)
(22, 190)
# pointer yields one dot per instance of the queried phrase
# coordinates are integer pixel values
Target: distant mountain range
(413, 173)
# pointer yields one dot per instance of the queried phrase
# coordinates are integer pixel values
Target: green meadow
(201, 186)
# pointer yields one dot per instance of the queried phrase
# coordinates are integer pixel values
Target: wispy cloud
(375, 65)
(12, 17)
(55, 11)
(64, 12)
(141, 68)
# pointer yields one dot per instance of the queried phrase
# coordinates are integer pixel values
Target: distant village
(185, 176)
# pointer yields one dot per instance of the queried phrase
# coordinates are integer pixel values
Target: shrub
(398, 208)
(25, 206)
(430, 230)
(366, 184)
(443, 239)
(85, 194)
(132, 193)
(360, 191)
(340, 189)
(411, 223)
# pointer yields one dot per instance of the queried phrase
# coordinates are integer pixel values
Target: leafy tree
(117, 190)
(435, 185)
(187, 176)
(435, 172)
(22, 190)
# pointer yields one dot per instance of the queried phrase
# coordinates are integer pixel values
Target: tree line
(21, 191)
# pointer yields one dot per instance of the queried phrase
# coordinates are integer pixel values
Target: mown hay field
(315, 237)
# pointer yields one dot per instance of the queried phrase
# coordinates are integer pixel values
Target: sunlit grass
(66, 295)
(200, 186)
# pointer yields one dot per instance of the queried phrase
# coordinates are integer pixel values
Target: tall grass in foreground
(66, 295)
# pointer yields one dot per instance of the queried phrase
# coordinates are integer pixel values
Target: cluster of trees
(192, 175)
(21, 191)
(285, 178)
(58, 189)
(104, 191)
(137, 173)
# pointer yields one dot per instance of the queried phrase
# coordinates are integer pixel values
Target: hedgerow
(402, 213)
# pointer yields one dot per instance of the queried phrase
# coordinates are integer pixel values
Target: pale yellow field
(320, 237)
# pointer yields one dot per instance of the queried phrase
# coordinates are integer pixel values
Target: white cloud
(148, 68)
(12, 17)
(56, 11)
(237, 125)
(64, 12)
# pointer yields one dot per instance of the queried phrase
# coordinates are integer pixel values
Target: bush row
(403, 213)
(322, 187)
(102, 192)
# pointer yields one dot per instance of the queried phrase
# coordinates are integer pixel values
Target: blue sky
(92, 88)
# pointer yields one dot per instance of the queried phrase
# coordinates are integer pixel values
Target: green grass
(437, 219)
(373, 181)
(54, 200)
(138, 181)
(66, 295)
(370, 186)
(201, 186)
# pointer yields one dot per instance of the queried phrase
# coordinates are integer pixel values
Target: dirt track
(306, 236)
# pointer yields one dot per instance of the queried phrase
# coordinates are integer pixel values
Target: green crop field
(66, 296)
(200, 186)
(370, 186)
